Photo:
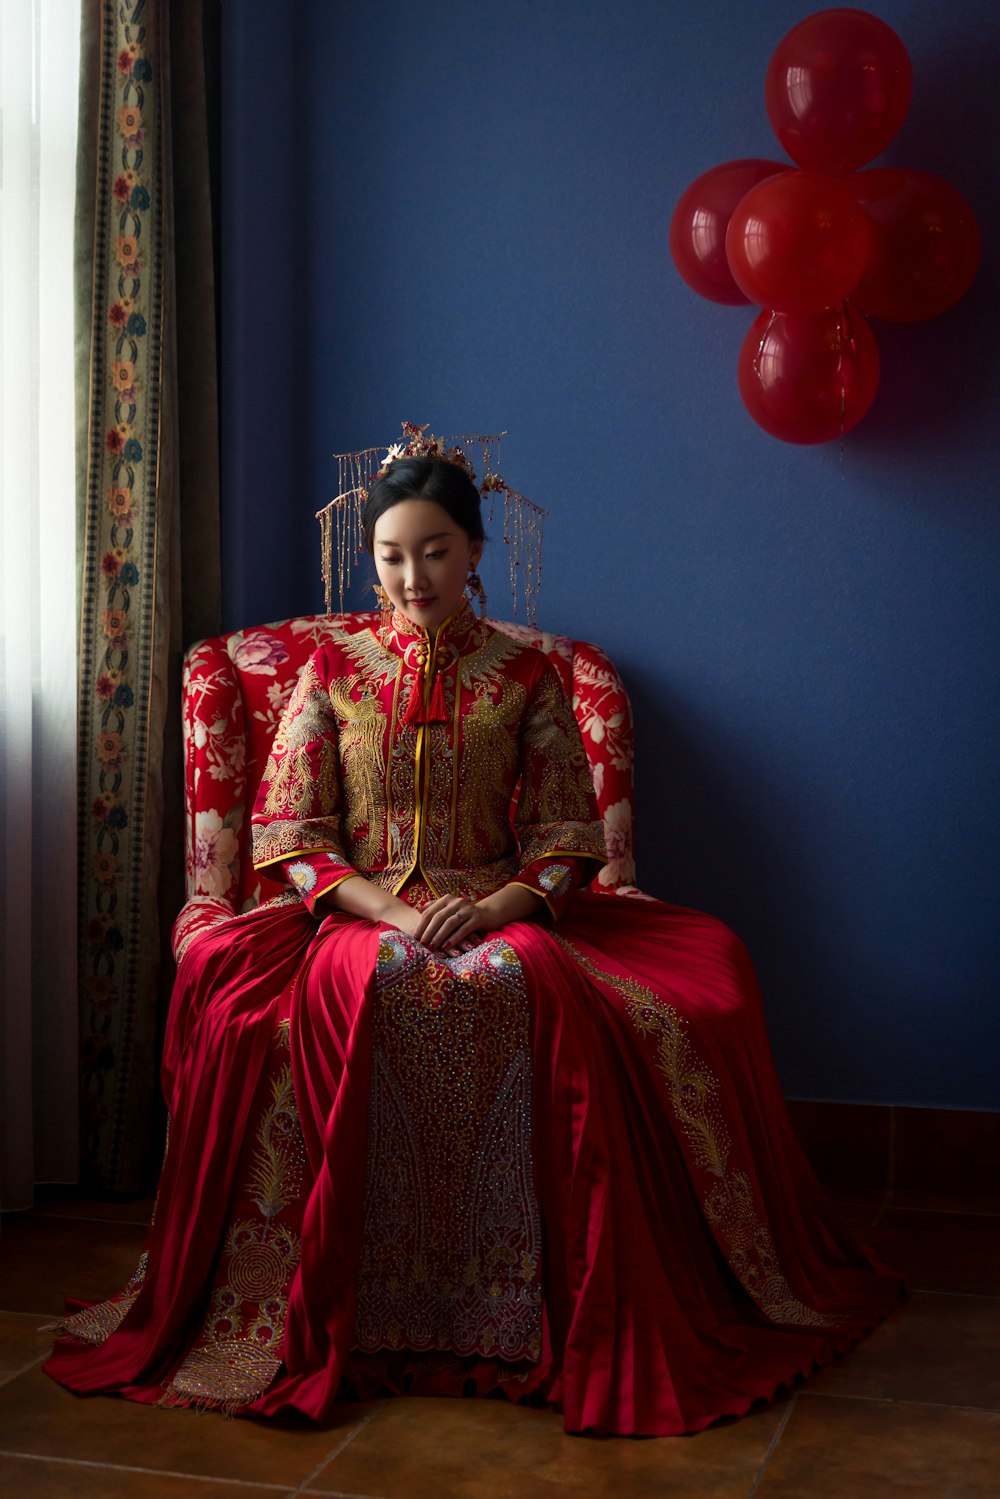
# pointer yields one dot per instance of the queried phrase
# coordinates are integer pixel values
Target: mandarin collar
(460, 633)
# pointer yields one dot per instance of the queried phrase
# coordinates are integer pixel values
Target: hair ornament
(342, 531)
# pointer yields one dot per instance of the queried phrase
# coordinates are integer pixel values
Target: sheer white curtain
(39, 1029)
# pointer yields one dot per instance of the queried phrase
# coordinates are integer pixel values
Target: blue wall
(457, 213)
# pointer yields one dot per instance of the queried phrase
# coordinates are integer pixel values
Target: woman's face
(423, 558)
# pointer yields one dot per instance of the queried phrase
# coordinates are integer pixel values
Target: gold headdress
(340, 522)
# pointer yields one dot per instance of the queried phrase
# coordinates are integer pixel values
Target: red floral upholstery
(235, 687)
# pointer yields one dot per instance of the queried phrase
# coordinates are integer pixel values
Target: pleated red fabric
(691, 1263)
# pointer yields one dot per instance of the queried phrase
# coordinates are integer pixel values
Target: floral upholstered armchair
(235, 688)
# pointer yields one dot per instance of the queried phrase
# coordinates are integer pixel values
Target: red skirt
(559, 1167)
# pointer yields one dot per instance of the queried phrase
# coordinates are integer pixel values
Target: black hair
(447, 484)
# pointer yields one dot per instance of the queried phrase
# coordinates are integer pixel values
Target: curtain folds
(147, 528)
(39, 68)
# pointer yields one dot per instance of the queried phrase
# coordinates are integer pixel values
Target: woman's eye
(435, 556)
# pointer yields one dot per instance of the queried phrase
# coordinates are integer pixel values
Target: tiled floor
(914, 1410)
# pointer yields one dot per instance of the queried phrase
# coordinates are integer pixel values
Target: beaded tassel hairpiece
(342, 534)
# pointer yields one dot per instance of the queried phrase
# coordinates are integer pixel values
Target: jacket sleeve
(559, 830)
(296, 822)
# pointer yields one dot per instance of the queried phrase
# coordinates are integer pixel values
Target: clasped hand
(451, 923)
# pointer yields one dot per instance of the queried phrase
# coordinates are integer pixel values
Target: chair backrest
(236, 685)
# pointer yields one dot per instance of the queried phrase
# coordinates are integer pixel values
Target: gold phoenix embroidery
(302, 766)
(238, 1351)
(694, 1093)
(95, 1324)
(362, 758)
(488, 754)
(428, 802)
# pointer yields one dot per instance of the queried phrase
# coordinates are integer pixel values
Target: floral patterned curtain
(148, 488)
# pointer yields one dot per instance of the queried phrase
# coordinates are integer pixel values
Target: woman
(442, 1119)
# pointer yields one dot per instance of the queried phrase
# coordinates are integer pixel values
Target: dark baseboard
(871, 1148)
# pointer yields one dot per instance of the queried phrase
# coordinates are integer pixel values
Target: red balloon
(837, 90)
(809, 379)
(797, 242)
(925, 245)
(699, 223)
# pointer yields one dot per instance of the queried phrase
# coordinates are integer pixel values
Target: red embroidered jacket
(399, 761)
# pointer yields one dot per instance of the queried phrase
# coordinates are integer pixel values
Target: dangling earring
(475, 584)
(386, 606)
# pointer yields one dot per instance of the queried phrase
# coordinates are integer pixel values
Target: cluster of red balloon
(821, 247)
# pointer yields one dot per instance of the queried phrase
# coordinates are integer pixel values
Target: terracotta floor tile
(20, 1341)
(943, 1251)
(68, 1205)
(35, 1478)
(486, 1449)
(873, 1449)
(44, 1260)
(934, 1348)
(39, 1417)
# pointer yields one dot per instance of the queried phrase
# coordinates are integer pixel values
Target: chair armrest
(604, 713)
(199, 914)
